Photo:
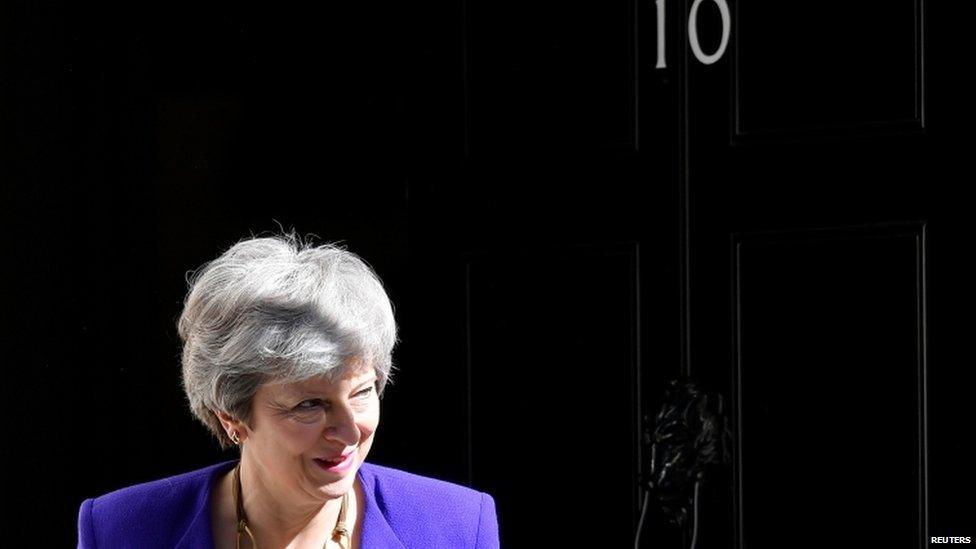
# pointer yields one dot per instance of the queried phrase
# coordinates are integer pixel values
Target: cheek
(296, 437)
(368, 423)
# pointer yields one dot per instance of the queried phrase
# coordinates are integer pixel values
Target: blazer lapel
(199, 533)
(377, 532)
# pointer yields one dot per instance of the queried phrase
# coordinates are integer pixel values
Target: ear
(231, 425)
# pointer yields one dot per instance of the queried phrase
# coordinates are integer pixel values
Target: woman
(286, 351)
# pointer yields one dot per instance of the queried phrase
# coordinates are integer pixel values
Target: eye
(309, 404)
(365, 392)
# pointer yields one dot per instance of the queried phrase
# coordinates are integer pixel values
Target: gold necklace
(339, 531)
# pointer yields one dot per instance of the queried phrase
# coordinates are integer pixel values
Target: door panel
(829, 384)
(804, 69)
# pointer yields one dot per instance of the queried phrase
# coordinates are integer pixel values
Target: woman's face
(295, 427)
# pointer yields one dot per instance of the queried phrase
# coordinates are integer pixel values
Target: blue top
(401, 511)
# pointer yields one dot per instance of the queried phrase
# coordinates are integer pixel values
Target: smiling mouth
(338, 464)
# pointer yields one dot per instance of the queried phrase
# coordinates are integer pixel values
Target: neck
(277, 516)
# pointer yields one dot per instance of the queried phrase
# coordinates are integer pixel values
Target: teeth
(335, 461)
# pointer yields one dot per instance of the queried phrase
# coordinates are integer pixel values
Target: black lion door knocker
(689, 438)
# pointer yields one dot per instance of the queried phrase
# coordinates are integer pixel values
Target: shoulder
(158, 512)
(427, 512)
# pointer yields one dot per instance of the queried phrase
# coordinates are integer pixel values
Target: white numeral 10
(705, 59)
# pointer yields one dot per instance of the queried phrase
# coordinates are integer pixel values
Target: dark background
(562, 228)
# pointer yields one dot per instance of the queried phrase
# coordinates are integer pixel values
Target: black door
(827, 236)
(779, 190)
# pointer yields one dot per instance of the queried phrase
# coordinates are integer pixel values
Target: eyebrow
(371, 380)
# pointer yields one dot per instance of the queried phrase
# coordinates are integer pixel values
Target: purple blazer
(401, 511)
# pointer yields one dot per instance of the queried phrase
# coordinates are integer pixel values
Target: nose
(341, 425)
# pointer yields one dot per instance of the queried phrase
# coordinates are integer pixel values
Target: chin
(335, 490)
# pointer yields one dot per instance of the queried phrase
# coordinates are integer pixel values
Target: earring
(235, 439)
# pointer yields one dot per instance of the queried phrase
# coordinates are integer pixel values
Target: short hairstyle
(277, 309)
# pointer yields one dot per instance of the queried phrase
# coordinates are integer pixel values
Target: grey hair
(276, 309)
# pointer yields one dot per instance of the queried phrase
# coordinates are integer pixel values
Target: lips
(338, 464)
(334, 460)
